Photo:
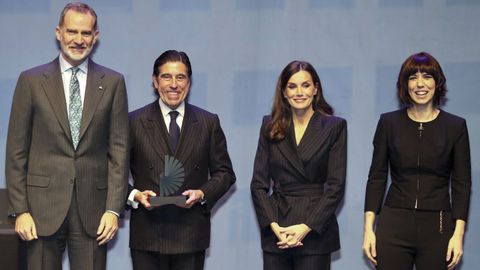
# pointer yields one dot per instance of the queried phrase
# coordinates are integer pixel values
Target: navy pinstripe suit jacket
(202, 149)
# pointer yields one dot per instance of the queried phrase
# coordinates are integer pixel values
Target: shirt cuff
(113, 212)
(131, 199)
(203, 201)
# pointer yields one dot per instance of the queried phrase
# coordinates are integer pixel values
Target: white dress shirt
(65, 69)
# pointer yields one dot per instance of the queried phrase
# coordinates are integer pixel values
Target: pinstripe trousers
(288, 261)
(149, 260)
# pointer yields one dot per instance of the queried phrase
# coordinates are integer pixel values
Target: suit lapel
(315, 136)
(156, 130)
(53, 87)
(93, 94)
(288, 148)
(188, 134)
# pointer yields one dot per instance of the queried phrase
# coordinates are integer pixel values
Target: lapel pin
(100, 87)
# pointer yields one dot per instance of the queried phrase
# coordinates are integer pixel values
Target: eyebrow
(307, 81)
(171, 74)
(70, 30)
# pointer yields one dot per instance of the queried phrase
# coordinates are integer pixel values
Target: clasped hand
(291, 236)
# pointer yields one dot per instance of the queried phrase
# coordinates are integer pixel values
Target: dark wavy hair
(421, 62)
(281, 113)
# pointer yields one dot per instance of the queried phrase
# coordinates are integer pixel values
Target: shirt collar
(166, 110)
(65, 66)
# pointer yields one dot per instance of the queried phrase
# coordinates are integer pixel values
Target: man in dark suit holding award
(179, 148)
(67, 151)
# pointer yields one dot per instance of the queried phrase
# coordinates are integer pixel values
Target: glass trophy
(171, 180)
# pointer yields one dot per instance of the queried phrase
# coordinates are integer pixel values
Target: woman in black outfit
(422, 222)
(301, 155)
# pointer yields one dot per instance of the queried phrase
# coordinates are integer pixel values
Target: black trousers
(288, 261)
(46, 252)
(149, 260)
(411, 237)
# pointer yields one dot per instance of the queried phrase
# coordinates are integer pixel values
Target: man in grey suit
(66, 157)
(170, 129)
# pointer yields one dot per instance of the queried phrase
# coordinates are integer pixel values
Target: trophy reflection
(171, 180)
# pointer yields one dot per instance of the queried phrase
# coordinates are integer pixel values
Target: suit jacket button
(150, 167)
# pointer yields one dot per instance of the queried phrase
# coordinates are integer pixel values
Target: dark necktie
(174, 129)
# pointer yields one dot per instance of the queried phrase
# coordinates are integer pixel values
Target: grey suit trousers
(46, 252)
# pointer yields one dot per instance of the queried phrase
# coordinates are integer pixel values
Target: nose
(420, 82)
(298, 91)
(78, 39)
(173, 83)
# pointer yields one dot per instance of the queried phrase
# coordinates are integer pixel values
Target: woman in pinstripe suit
(301, 156)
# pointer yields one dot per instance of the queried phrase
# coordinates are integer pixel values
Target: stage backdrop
(237, 49)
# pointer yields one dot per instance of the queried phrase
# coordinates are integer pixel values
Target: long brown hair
(423, 62)
(281, 111)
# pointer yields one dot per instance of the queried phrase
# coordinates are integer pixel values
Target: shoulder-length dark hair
(281, 111)
(421, 62)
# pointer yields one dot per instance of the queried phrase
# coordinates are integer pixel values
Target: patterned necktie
(174, 129)
(75, 107)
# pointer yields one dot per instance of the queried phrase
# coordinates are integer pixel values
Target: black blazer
(308, 183)
(202, 149)
(425, 163)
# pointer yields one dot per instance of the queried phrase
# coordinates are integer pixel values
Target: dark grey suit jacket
(309, 183)
(42, 167)
(202, 149)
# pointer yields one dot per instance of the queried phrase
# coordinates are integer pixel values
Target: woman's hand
(369, 245)
(279, 232)
(369, 238)
(294, 236)
(455, 245)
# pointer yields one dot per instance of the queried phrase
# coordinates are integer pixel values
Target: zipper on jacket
(420, 130)
(441, 222)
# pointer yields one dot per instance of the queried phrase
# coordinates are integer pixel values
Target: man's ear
(154, 81)
(58, 33)
(96, 34)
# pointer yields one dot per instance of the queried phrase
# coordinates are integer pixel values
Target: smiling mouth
(77, 49)
(299, 99)
(172, 93)
(421, 92)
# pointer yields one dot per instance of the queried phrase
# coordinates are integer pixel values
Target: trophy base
(161, 200)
